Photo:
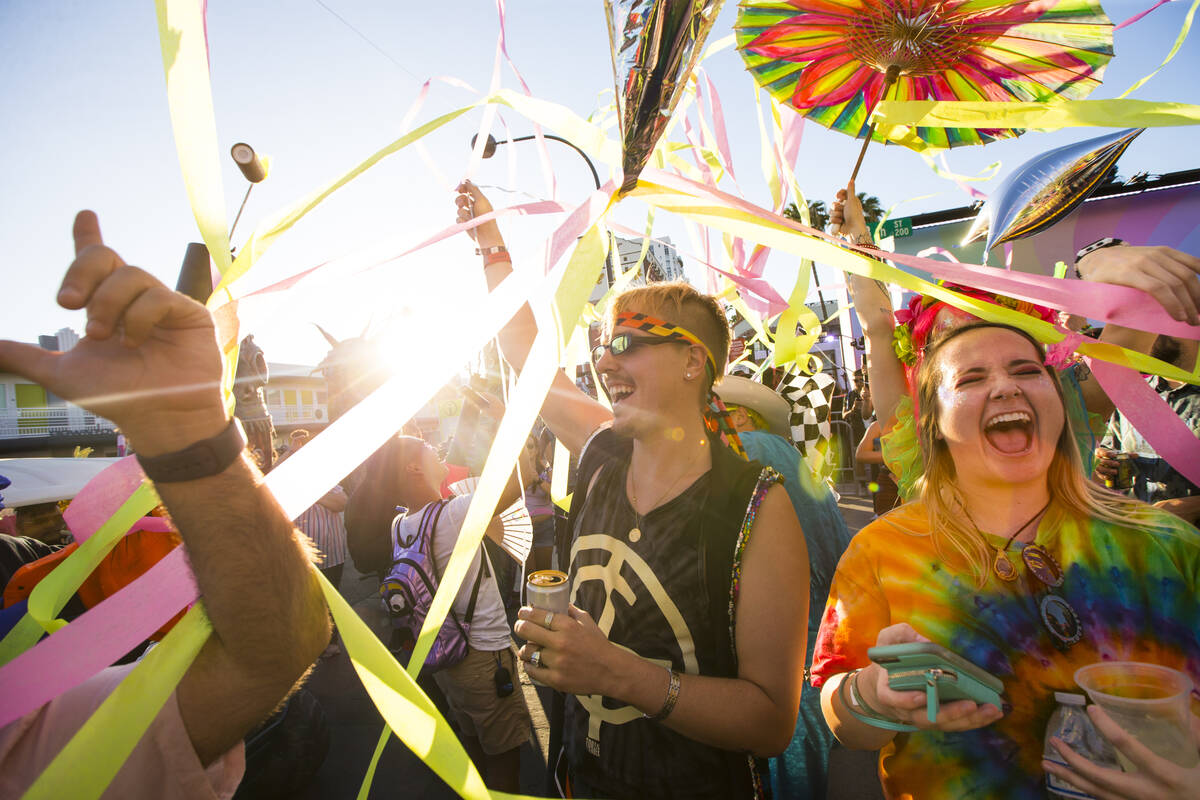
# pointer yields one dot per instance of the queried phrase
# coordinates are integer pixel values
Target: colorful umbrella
(833, 60)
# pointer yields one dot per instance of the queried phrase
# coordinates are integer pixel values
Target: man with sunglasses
(683, 651)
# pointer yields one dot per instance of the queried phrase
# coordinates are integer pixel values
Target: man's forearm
(252, 569)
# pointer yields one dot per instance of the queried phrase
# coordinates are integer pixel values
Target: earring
(687, 376)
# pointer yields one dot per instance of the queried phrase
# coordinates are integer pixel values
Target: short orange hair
(679, 303)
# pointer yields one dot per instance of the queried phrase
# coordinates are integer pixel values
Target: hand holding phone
(909, 701)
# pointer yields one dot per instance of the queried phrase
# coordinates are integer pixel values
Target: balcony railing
(289, 415)
(19, 423)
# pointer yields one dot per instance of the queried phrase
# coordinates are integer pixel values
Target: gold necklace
(1002, 566)
(635, 533)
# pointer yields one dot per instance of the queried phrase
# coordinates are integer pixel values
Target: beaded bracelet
(672, 697)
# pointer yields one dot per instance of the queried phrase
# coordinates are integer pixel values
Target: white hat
(753, 395)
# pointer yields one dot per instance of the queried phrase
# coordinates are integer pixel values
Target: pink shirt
(162, 765)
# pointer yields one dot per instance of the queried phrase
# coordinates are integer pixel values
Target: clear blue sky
(85, 124)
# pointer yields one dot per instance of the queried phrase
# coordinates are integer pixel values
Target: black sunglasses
(624, 342)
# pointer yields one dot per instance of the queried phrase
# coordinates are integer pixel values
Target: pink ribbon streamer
(523, 209)
(543, 154)
(100, 498)
(1147, 411)
(96, 639)
(1138, 16)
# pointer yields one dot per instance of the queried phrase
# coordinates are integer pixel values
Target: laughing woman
(1012, 560)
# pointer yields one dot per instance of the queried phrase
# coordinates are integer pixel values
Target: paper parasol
(655, 44)
(517, 540)
(1045, 189)
(831, 59)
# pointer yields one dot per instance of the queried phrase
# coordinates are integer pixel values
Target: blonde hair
(679, 303)
(756, 419)
(1071, 493)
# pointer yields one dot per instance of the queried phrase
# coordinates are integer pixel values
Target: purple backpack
(409, 588)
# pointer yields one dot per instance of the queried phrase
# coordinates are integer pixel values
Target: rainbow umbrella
(833, 60)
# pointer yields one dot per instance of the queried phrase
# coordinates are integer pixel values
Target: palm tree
(872, 209)
(818, 214)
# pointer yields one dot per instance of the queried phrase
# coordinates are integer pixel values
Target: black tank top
(648, 593)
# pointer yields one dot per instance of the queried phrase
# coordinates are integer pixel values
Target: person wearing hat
(761, 418)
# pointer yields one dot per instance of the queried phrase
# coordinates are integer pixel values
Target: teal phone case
(942, 675)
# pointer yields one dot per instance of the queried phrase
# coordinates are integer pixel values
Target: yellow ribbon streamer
(189, 96)
(1039, 116)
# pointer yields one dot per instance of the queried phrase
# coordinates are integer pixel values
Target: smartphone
(925, 666)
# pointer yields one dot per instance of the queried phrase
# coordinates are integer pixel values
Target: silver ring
(549, 618)
(536, 659)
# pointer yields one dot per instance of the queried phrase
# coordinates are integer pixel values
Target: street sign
(895, 227)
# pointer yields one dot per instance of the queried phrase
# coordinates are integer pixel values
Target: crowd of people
(718, 639)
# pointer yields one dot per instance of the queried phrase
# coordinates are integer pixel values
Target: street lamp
(195, 276)
(489, 150)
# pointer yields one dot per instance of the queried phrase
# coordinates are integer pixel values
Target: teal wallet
(942, 675)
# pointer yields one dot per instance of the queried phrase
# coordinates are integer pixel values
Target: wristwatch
(1099, 244)
(203, 459)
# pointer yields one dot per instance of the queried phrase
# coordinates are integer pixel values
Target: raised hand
(1171, 276)
(846, 215)
(472, 203)
(149, 360)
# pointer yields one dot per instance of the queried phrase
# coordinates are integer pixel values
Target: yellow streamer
(1039, 116)
(189, 95)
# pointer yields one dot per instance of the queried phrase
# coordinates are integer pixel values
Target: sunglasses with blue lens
(624, 342)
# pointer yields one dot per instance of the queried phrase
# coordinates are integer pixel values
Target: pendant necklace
(635, 533)
(1057, 616)
(1003, 567)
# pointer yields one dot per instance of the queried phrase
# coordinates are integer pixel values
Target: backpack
(410, 585)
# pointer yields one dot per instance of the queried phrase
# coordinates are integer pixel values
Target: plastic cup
(1151, 703)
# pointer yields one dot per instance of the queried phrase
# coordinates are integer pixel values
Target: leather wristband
(203, 459)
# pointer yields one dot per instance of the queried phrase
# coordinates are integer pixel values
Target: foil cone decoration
(655, 44)
(1047, 188)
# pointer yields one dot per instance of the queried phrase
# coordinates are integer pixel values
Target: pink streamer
(1136, 17)
(524, 209)
(96, 639)
(502, 44)
(100, 498)
(1147, 411)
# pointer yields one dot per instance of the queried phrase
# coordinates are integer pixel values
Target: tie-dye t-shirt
(1136, 591)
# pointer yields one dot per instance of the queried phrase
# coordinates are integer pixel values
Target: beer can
(548, 590)
(1125, 470)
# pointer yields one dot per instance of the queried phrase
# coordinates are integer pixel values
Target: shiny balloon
(1045, 189)
(655, 45)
